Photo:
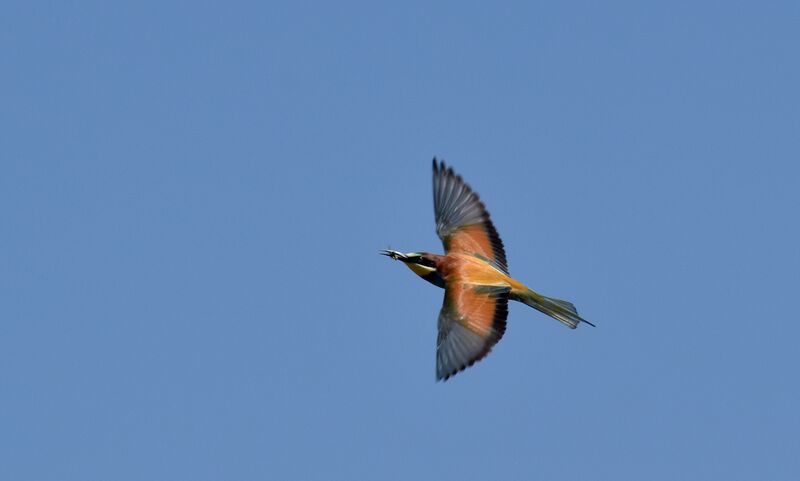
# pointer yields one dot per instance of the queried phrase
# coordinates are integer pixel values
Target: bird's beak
(393, 254)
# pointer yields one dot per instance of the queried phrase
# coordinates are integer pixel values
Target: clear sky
(193, 196)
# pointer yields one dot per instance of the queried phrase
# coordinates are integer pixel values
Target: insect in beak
(393, 254)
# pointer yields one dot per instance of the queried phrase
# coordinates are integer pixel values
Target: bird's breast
(471, 270)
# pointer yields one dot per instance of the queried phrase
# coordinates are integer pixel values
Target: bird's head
(421, 263)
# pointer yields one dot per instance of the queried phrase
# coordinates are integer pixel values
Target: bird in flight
(474, 275)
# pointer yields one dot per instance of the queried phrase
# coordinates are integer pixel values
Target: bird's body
(475, 277)
(470, 269)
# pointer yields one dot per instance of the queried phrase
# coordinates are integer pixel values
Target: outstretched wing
(472, 320)
(462, 221)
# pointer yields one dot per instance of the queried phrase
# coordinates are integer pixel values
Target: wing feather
(462, 221)
(471, 322)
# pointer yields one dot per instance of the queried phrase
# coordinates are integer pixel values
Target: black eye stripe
(420, 260)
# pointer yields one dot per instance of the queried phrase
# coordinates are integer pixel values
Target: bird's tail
(559, 310)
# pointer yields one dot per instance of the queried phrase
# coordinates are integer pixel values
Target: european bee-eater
(474, 274)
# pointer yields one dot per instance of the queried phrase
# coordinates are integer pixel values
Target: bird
(474, 275)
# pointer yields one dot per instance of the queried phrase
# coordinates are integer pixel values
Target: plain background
(193, 196)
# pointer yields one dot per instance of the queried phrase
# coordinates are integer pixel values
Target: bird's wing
(462, 221)
(472, 320)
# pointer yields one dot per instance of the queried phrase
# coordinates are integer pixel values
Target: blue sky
(193, 196)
